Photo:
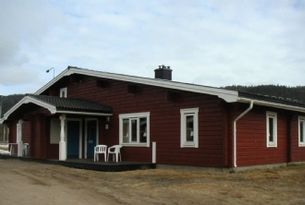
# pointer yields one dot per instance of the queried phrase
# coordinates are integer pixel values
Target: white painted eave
(83, 113)
(51, 108)
(66, 72)
(273, 104)
(26, 100)
(227, 95)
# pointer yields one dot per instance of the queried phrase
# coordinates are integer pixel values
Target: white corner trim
(26, 100)
(227, 95)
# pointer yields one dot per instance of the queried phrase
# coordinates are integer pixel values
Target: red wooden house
(189, 124)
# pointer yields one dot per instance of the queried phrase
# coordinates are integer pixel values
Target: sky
(207, 42)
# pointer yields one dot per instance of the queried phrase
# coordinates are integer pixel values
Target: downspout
(234, 132)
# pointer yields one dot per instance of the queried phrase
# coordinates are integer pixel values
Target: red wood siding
(297, 153)
(38, 139)
(12, 132)
(251, 139)
(26, 132)
(164, 121)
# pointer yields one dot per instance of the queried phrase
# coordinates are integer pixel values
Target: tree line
(296, 93)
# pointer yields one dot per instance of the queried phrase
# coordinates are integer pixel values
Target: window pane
(302, 131)
(134, 130)
(125, 130)
(143, 129)
(271, 130)
(190, 128)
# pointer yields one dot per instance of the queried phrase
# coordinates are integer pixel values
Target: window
(4, 133)
(189, 128)
(134, 129)
(271, 129)
(63, 92)
(54, 131)
(301, 131)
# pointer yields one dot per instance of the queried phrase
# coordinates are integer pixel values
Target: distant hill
(297, 92)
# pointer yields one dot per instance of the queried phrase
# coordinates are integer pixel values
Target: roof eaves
(227, 95)
(66, 72)
(84, 113)
(272, 104)
(26, 100)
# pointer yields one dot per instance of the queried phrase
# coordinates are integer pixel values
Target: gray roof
(269, 98)
(65, 104)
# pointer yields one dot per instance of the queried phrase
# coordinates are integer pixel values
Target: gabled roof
(227, 95)
(62, 105)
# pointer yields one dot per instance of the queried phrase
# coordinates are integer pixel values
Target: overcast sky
(214, 43)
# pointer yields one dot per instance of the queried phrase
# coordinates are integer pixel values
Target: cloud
(220, 42)
(24, 25)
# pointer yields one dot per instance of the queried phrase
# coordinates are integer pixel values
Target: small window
(54, 131)
(271, 129)
(189, 128)
(134, 129)
(301, 131)
(63, 92)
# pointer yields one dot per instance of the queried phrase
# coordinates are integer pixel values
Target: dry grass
(60, 185)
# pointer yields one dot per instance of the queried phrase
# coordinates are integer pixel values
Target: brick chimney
(163, 72)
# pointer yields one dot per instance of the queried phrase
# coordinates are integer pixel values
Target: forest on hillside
(297, 92)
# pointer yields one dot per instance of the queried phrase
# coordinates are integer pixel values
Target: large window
(301, 131)
(134, 129)
(271, 129)
(4, 133)
(189, 127)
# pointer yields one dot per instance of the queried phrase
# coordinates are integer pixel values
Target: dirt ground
(30, 183)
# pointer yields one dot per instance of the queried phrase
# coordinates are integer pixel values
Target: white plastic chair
(100, 149)
(116, 151)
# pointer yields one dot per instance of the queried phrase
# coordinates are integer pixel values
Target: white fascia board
(26, 100)
(83, 113)
(227, 95)
(66, 72)
(273, 104)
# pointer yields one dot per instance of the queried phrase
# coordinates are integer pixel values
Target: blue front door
(91, 137)
(73, 132)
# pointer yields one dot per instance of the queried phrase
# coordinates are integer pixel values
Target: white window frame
(137, 116)
(183, 114)
(272, 115)
(64, 91)
(301, 119)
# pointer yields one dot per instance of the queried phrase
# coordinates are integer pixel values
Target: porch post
(19, 139)
(62, 141)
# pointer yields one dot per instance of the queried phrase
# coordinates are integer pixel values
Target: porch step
(90, 165)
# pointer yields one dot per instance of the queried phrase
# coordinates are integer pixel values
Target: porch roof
(62, 105)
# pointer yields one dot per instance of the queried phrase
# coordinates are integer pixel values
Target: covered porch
(57, 128)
